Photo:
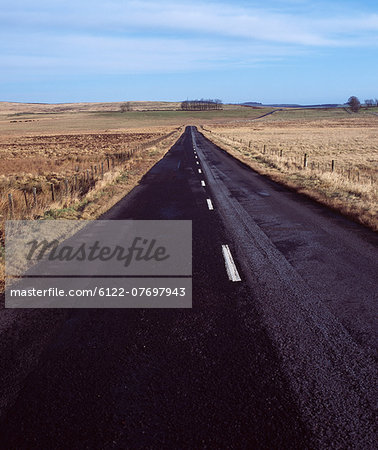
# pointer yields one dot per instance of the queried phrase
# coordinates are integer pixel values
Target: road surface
(277, 352)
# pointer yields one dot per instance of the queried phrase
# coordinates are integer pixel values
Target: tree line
(201, 105)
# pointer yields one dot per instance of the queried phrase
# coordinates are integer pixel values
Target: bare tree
(369, 103)
(125, 107)
(354, 104)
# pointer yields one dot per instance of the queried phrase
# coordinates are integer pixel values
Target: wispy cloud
(141, 35)
(115, 55)
(303, 27)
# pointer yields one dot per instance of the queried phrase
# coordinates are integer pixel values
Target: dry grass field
(18, 119)
(276, 146)
(40, 108)
(31, 166)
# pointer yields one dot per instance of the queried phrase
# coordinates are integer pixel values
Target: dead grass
(276, 147)
(37, 155)
(72, 164)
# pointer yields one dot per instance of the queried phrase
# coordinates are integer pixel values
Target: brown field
(38, 108)
(276, 146)
(17, 119)
(71, 163)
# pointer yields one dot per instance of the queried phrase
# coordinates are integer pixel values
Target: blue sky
(296, 51)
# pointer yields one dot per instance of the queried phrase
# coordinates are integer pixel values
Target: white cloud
(144, 36)
(197, 17)
(112, 55)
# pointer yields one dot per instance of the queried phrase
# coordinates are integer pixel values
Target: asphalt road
(282, 359)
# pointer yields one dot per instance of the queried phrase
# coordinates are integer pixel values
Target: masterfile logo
(109, 260)
(108, 247)
(140, 250)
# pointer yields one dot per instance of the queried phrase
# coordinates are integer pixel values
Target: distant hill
(291, 105)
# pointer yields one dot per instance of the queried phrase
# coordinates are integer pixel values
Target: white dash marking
(179, 164)
(209, 204)
(197, 162)
(199, 171)
(203, 183)
(196, 156)
(232, 271)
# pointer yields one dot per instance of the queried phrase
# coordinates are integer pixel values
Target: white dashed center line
(209, 204)
(199, 171)
(203, 183)
(232, 271)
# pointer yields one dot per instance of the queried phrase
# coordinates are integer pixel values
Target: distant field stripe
(231, 269)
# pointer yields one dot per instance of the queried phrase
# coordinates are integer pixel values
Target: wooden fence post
(11, 206)
(333, 165)
(102, 170)
(34, 196)
(66, 185)
(52, 192)
(305, 161)
(26, 200)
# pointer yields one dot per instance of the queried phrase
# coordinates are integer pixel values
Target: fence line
(304, 162)
(81, 182)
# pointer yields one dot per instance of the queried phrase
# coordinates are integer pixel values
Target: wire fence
(21, 203)
(304, 161)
